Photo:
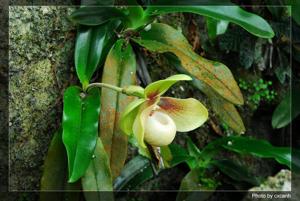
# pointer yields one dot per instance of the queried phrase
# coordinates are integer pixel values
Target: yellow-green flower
(155, 119)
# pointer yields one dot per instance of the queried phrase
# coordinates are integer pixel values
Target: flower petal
(160, 87)
(188, 114)
(129, 114)
(139, 122)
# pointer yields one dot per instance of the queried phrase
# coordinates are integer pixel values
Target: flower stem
(118, 89)
(131, 90)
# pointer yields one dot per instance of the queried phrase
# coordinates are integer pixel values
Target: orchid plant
(96, 122)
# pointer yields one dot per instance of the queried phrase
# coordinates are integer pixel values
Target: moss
(41, 65)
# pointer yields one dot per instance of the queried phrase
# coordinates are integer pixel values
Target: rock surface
(3, 96)
(41, 43)
(279, 186)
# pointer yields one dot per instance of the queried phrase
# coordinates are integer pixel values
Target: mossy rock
(41, 66)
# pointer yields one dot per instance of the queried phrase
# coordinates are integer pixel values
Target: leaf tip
(72, 179)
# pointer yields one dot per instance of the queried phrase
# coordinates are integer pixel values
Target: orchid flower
(155, 119)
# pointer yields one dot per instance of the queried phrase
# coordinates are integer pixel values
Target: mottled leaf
(80, 128)
(119, 70)
(225, 110)
(227, 113)
(163, 38)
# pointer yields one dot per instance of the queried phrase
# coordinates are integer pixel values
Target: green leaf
(80, 128)
(163, 38)
(192, 148)
(119, 70)
(225, 110)
(215, 27)
(251, 146)
(287, 110)
(98, 176)
(91, 48)
(135, 17)
(249, 21)
(95, 15)
(166, 155)
(135, 172)
(179, 155)
(55, 173)
(258, 148)
(296, 11)
(236, 171)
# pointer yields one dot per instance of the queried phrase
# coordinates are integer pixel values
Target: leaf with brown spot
(225, 110)
(164, 38)
(119, 70)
